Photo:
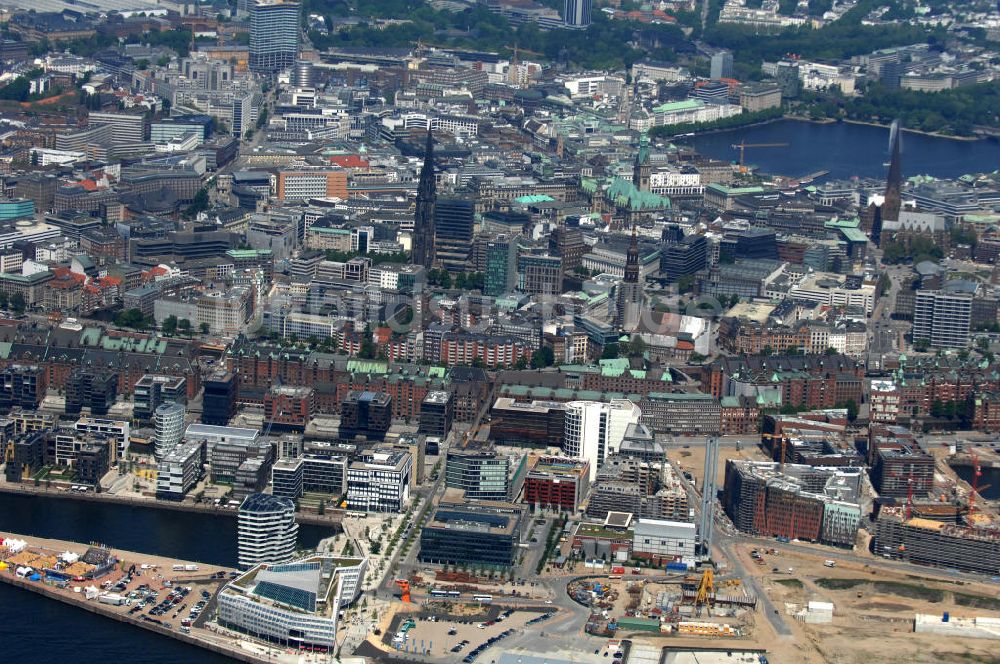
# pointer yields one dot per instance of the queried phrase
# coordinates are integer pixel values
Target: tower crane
(977, 472)
(743, 145)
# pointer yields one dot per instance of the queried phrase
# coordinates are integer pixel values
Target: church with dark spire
(423, 220)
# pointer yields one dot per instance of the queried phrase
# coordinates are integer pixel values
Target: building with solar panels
(294, 604)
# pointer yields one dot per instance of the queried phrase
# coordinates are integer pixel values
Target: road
(725, 543)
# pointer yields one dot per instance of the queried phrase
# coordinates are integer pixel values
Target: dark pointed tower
(632, 259)
(893, 185)
(641, 168)
(628, 297)
(423, 220)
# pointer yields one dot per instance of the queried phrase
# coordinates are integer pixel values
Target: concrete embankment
(332, 518)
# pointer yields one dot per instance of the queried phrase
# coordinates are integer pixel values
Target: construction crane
(909, 496)
(743, 145)
(404, 587)
(706, 590)
(977, 472)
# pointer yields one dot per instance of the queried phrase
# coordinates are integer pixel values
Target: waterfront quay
(333, 518)
(148, 591)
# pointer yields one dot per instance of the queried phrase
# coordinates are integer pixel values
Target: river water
(43, 631)
(847, 150)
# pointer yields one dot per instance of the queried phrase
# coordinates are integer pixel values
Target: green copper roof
(625, 194)
(615, 367)
(367, 366)
(534, 198)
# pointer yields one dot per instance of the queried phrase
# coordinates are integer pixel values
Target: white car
(548, 601)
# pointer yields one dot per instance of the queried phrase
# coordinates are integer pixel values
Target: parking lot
(463, 639)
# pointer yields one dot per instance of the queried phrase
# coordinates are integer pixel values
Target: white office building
(942, 317)
(168, 428)
(295, 604)
(594, 429)
(211, 434)
(179, 471)
(379, 481)
(266, 531)
(117, 429)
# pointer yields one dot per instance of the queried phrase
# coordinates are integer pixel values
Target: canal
(196, 536)
(848, 150)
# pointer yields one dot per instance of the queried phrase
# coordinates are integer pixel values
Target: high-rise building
(722, 65)
(266, 531)
(153, 390)
(22, 385)
(437, 411)
(628, 302)
(942, 317)
(454, 220)
(684, 258)
(576, 13)
(93, 389)
(168, 428)
(501, 265)
(483, 473)
(274, 35)
(180, 470)
(219, 400)
(286, 478)
(423, 221)
(539, 275)
(379, 481)
(594, 429)
(367, 414)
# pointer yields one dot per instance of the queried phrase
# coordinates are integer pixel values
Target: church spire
(632, 258)
(423, 221)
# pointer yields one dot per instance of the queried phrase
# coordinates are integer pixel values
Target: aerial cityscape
(500, 331)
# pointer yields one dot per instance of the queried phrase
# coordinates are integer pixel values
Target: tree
(543, 357)
(133, 318)
(921, 345)
(17, 303)
(852, 410)
(696, 358)
(445, 279)
(460, 281)
(830, 351)
(376, 547)
(4, 300)
(184, 325)
(610, 352)
(204, 328)
(170, 325)
(198, 204)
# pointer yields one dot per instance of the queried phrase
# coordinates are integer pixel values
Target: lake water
(848, 150)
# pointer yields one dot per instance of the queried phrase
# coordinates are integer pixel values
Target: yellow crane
(743, 145)
(706, 590)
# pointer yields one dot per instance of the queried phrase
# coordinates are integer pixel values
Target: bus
(437, 592)
(483, 599)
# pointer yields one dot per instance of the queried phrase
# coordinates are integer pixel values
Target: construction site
(681, 604)
(846, 610)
